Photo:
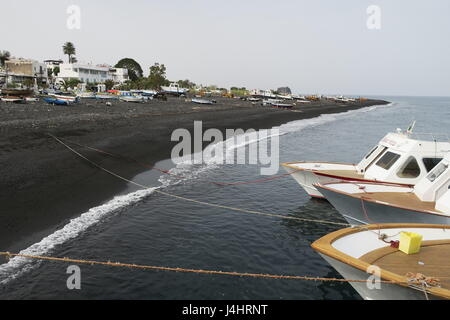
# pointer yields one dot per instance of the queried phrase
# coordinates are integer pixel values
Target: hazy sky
(316, 46)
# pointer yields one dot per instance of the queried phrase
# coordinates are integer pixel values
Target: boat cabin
(399, 158)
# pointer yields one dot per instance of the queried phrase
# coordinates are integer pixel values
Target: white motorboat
(398, 158)
(202, 101)
(132, 98)
(369, 258)
(427, 202)
(174, 89)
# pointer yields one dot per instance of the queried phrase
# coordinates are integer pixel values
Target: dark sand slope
(43, 185)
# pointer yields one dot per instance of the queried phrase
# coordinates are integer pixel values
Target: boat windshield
(388, 160)
(437, 171)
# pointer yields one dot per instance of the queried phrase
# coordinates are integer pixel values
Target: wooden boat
(12, 99)
(427, 202)
(371, 253)
(395, 152)
(17, 92)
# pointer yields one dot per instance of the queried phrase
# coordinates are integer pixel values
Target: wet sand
(43, 185)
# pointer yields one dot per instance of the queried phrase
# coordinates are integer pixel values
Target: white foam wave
(75, 227)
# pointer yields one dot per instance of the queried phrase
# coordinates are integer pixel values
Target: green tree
(186, 84)
(157, 77)
(29, 82)
(69, 49)
(109, 84)
(70, 83)
(56, 71)
(134, 69)
(4, 56)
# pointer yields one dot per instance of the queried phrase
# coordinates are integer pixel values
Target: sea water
(148, 228)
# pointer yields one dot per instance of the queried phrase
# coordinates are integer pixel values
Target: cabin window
(430, 163)
(388, 160)
(410, 169)
(371, 151)
(437, 171)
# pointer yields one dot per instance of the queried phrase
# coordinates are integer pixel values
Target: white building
(91, 74)
(120, 75)
(85, 73)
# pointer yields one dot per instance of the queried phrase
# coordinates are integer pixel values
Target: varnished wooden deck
(433, 260)
(405, 200)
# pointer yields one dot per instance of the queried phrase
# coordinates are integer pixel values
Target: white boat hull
(357, 211)
(304, 175)
(385, 292)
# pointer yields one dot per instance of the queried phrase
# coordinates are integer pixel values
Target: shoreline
(45, 185)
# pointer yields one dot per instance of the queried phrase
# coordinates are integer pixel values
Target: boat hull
(359, 211)
(307, 178)
(385, 291)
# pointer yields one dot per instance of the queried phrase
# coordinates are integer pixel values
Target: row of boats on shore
(397, 195)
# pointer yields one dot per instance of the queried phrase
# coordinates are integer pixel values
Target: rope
(129, 159)
(197, 201)
(198, 271)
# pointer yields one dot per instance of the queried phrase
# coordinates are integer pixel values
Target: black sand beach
(43, 185)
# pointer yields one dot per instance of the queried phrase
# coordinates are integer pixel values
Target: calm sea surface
(145, 227)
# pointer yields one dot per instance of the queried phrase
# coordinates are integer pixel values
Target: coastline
(44, 185)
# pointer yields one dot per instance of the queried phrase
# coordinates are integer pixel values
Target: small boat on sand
(55, 101)
(202, 101)
(132, 98)
(283, 105)
(17, 92)
(12, 99)
(410, 261)
(399, 158)
(31, 99)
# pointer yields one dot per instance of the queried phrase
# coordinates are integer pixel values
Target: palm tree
(69, 49)
(4, 56)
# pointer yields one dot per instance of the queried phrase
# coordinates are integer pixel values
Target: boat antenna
(411, 127)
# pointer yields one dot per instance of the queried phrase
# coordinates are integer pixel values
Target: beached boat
(66, 97)
(106, 96)
(427, 202)
(283, 105)
(270, 102)
(132, 98)
(55, 101)
(174, 89)
(389, 161)
(12, 99)
(31, 99)
(202, 101)
(372, 253)
(86, 95)
(17, 92)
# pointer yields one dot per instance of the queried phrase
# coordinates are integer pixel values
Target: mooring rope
(151, 167)
(198, 271)
(194, 200)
